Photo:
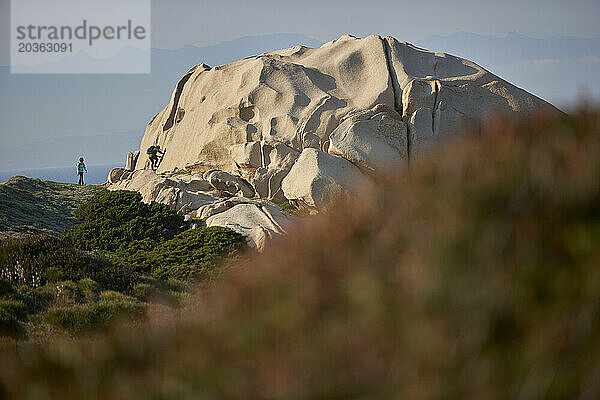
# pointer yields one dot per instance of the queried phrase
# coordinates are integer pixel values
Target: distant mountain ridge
(513, 48)
(559, 69)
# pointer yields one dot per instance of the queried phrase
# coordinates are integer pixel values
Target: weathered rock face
(291, 96)
(374, 139)
(373, 101)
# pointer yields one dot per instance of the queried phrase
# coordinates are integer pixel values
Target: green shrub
(177, 285)
(35, 260)
(111, 295)
(10, 326)
(67, 293)
(159, 294)
(171, 292)
(178, 299)
(40, 298)
(89, 289)
(53, 274)
(7, 290)
(193, 254)
(75, 319)
(111, 308)
(115, 219)
(15, 308)
(145, 291)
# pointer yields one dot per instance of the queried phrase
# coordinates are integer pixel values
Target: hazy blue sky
(179, 22)
(207, 22)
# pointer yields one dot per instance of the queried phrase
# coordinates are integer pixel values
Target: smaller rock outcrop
(131, 160)
(181, 193)
(115, 175)
(228, 183)
(319, 181)
(258, 220)
(207, 197)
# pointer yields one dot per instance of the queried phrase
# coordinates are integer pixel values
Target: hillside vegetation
(473, 274)
(32, 206)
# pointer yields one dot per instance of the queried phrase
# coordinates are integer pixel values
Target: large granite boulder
(298, 96)
(372, 101)
(280, 95)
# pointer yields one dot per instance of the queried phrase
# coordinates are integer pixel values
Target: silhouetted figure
(155, 155)
(81, 169)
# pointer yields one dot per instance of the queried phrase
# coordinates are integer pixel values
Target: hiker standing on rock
(81, 169)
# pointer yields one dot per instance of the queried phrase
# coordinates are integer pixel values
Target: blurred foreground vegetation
(474, 274)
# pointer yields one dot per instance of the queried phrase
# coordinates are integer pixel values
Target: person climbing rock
(81, 169)
(154, 152)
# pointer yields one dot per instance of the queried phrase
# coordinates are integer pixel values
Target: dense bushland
(120, 245)
(36, 260)
(150, 238)
(113, 220)
(191, 255)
